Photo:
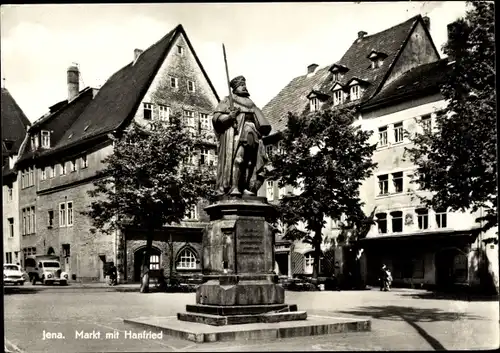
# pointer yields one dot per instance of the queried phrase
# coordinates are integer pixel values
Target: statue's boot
(248, 192)
(236, 178)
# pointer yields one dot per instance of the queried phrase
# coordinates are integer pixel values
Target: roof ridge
(411, 19)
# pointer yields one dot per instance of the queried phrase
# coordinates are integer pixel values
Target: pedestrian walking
(385, 278)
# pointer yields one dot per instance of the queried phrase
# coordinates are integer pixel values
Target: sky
(268, 43)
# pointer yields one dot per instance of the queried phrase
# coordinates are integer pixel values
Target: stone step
(219, 320)
(239, 309)
(198, 332)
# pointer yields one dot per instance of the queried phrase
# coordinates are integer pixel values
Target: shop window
(308, 263)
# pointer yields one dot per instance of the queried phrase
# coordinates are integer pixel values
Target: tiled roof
(292, 98)
(58, 122)
(419, 79)
(14, 122)
(118, 99)
(390, 42)
(120, 95)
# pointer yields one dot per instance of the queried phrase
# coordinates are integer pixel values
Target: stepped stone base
(221, 320)
(198, 332)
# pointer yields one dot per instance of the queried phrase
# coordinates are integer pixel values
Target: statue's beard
(243, 94)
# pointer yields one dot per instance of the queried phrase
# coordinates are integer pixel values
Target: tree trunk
(145, 263)
(317, 255)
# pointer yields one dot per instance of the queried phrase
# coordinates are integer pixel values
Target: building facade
(392, 78)
(65, 148)
(14, 127)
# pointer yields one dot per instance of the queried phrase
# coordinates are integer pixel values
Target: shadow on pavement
(8, 290)
(453, 296)
(412, 316)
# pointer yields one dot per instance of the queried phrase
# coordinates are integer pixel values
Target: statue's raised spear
(231, 101)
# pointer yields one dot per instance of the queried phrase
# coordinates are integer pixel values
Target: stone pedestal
(240, 299)
(238, 265)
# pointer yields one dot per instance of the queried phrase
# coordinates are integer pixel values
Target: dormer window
(314, 104)
(45, 139)
(338, 97)
(377, 58)
(355, 92)
(337, 76)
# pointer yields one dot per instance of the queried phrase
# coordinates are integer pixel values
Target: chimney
(73, 82)
(311, 68)
(137, 52)
(361, 34)
(427, 22)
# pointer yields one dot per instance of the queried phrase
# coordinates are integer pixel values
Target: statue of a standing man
(242, 156)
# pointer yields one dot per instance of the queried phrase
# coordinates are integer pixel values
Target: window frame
(383, 136)
(69, 214)
(439, 217)
(45, 137)
(397, 215)
(191, 89)
(382, 217)
(397, 178)
(147, 107)
(386, 184)
(355, 92)
(163, 112)
(186, 260)
(314, 104)
(63, 168)
(422, 218)
(73, 166)
(270, 190)
(309, 263)
(10, 221)
(340, 99)
(52, 172)
(398, 132)
(62, 214)
(50, 218)
(174, 82)
(180, 50)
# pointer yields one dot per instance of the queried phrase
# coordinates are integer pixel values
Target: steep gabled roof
(292, 98)
(390, 42)
(422, 79)
(118, 99)
(14, 123)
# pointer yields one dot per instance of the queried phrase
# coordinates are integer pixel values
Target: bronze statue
(240, 126)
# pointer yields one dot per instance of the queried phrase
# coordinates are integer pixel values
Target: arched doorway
(154, 261)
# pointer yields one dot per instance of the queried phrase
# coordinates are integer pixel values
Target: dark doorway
(444, 262)
(155, 257)
(282, 261)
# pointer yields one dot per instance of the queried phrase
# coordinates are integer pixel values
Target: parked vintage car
(48, 271)
(12, 274)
